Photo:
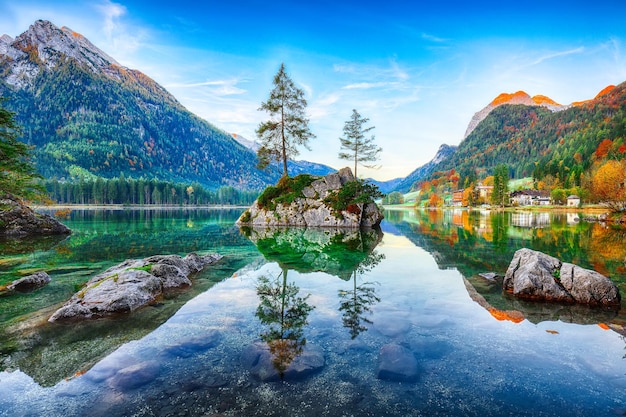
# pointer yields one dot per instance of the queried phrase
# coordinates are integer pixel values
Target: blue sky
(418, 70)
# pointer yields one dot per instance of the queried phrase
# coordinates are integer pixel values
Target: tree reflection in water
(285, 313)
(356, 302)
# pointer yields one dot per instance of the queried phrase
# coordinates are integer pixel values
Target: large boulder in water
(315, 204)
(131, 284)
(17, 219)
(30, 282)
(536, 276)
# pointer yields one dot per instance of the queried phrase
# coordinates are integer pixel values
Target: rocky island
(335, 200)
(17, 219)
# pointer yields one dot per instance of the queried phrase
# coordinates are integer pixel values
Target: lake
(301, 322)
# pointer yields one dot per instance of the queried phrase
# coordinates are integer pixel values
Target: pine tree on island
(288, 126)
(358, 148)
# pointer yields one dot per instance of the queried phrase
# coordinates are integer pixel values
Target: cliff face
(313, 206)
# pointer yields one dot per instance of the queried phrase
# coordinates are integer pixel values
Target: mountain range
(87, 116)
(542, 140)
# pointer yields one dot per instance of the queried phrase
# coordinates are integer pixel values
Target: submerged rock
(260, 362)
(17, 219)
(311, 208)
(131, 284)
(135, 376)
(397, 363)
(185, 348)
(29, 283)
(536, 276)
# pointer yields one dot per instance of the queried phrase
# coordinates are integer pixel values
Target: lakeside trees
(143, 192)
(608, 184)
(358, 148)
(17, 174)
(500, 193)
(288, 126)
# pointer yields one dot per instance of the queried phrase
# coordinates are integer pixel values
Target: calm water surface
(303, 322)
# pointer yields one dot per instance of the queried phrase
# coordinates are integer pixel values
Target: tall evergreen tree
(500, 194)
(358, 148)
(288, 126)
(17, 174)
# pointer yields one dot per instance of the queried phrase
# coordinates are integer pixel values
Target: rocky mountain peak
(442, 153)
(606, 90)
(519, 97)
(43, 45)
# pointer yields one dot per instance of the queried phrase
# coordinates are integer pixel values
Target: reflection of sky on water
(469, 363)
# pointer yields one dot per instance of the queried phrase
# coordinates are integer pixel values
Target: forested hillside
(86, 116)
(532, 141)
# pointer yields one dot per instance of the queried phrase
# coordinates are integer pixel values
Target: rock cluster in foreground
(17, 219)
(536, 276)
(310, 209)
(132, 284)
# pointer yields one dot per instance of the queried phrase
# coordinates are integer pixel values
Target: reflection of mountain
(475, 242)
(337, 252)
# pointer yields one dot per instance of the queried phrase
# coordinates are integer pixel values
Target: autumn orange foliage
(608, 183)
(603, 148)
(510, 315)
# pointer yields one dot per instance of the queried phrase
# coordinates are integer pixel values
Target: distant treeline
(143, 192)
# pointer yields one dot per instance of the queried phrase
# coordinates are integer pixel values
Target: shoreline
(128, 207)
(589, 209)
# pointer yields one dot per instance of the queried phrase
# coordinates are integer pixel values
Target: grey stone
(587, 286)
(333, 181)
(397, 363)
(135, 376)
(193, 345)
(490, 276)
(260, 362)
(309, 192)
(30, 282)
(536, 276)
(345, 174)
(17, 219)
(128, 285)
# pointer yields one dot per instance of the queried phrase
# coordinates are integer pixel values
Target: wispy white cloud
(556, 54)
(365, 85)
(323, 106)
(111, 13)
(120, 38)
(433, 38)
(218, 87)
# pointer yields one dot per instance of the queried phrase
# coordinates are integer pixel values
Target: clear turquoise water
(342, 299)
